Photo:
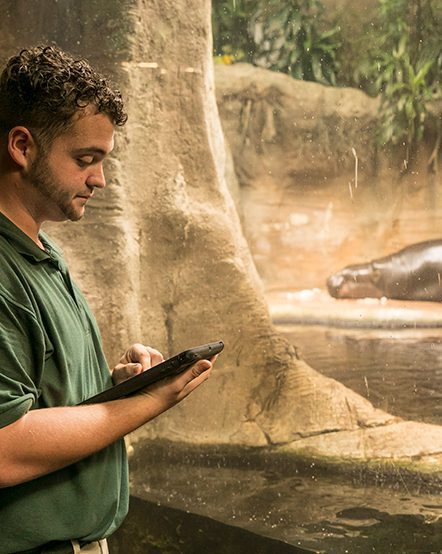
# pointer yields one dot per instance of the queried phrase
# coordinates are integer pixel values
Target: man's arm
(48, 439)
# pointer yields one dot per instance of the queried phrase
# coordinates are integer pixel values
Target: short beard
(42, 179)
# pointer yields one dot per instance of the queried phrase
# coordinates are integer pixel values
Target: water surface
(289, 501)
(399, 371)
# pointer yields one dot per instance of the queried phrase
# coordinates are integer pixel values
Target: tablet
(168, 368)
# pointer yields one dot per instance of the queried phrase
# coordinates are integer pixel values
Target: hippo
(413, 273)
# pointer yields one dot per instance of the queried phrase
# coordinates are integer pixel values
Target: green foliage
(405, 90)
(406, 67)
(289, 36)
(231, 38)
(292, 37)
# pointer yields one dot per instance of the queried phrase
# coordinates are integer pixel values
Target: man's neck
(19, 212)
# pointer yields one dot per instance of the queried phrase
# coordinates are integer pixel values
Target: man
(63, 470)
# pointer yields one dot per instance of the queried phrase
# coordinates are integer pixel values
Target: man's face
(65, 177)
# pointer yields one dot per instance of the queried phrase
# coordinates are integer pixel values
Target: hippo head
(356, 281)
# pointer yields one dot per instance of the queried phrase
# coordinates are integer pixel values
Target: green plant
(231, 39)
(293, 37)
(405, 91)
(406, 67)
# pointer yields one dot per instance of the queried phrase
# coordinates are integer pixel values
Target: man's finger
(145, 355)
(196, 370)
(155, 356)
(197, 374)
(122, 372)
(200, 366)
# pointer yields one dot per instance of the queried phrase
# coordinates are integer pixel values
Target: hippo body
(413, 273)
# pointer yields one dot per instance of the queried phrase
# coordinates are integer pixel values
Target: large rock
(291, 130)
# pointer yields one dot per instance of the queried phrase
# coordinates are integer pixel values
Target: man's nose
(96, 178)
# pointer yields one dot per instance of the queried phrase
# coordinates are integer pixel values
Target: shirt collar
(24, 244)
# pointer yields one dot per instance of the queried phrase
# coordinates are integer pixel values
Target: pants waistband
(55, 547)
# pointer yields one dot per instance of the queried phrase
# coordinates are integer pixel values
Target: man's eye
(85, 160)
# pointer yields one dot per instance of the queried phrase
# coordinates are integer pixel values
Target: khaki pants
(72, 547)
(97, 547)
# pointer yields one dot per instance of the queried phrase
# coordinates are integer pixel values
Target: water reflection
(299, 504)
(399, 371)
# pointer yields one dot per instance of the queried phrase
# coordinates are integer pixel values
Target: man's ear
(22, 146)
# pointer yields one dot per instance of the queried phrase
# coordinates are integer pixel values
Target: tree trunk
(161, 254)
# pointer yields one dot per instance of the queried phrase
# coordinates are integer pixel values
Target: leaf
(317, 70)
(295, 26)
(295, 54)
(409, 109)
(423, 71)
(402, 46)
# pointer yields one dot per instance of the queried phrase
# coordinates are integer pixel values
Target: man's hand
(136, 359)
(166, 393)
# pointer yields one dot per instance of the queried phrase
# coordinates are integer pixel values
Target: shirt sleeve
(22, 352)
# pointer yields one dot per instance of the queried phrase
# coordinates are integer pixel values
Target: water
(399, 371)
(157, 529)
(289, 501)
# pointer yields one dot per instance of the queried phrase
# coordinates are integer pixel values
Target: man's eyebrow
(90, 150)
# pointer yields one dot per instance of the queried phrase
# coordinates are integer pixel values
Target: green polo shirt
(51, 355)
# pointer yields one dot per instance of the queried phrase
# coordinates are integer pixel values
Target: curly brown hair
(43, 87)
